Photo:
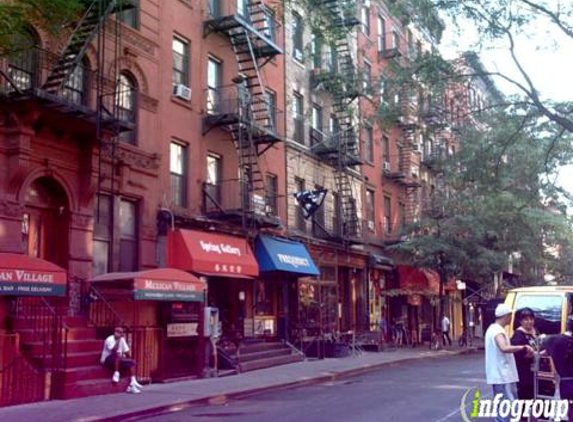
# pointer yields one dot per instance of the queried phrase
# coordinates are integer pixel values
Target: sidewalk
(161, 398)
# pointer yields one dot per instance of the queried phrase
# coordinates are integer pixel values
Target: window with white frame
(178, 170)
(180, 61)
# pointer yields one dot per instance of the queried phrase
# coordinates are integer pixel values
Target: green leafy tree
(50, 15)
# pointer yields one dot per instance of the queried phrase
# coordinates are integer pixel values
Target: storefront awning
(275, 254)
(24, 275)
(163, 284)
(418, 279)
(211, 254)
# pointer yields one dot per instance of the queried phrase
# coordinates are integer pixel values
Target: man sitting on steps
(115, 355)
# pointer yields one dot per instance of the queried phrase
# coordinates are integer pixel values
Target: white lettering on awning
(219, 248)
(295, 261)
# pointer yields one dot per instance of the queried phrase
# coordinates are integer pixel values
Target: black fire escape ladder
(255, 116)
(343, 110)
(84, 33)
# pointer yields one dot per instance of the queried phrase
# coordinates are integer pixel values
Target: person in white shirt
(500, 368)
(115, 355)
(446, 330)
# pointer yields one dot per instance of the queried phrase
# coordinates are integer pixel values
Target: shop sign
(187, 329)
(219, 248)
(20, 282)
(145, 289)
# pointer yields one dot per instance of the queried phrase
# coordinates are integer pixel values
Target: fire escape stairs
(84, 33)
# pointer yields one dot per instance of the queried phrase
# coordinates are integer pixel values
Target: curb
(222, 398)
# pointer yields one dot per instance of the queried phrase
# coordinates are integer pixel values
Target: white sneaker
(115, 377)
(137, 385)
(132, 389)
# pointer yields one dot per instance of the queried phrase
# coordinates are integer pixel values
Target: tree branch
(551, 15)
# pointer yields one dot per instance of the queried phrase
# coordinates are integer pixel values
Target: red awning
(24, 275)
(211, 254)
(419, 279)
(159, 284)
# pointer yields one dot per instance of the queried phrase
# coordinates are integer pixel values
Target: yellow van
(551, 304)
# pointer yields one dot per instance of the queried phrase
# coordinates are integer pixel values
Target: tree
(17, 16)
(504, 24)
(496, 198)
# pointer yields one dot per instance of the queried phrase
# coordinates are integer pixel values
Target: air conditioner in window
(416, 147)
(386, 166)
(415, 172)
(370, 225)
(298, 54)
(182, 91)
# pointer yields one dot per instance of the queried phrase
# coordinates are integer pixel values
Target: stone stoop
(261, 355)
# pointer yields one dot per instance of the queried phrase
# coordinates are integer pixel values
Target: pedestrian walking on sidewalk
(500, 368)
(115, 355)
(446, 330)
(524, 334)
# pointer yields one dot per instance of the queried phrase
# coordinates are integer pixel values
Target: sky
(544, 53)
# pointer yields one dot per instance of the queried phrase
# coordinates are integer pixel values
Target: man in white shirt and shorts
(500, 368)
(115, 355)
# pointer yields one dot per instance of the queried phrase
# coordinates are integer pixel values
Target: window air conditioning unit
(416, 148)
(370, 225)
(386, 166)
(298, 54)
(415, 172)
(182, 91)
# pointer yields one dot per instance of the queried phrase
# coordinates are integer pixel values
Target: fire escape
(406, 117)
(65, 88)
(340, 149)
(245, 110)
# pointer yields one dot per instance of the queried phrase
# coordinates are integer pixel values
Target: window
(213, 182)
(410, 43)
(334, 128)
(299, 220)
(297, 31)
(337, 218)
(298, 115)
(23, 66)
(180, 61)
(272, 107)
(316, 132)
(178, 169)
(368, 145)
(130, 16)
(272, 194)
(125, 240)
(370, 217)
(213, 84)
(395, 40)
(385, 149)
(102, 236)
(382, 90)
(400, 159)
(365, 18)
(243, 7)
(128, 254)
(74, 88)
(387, 215)
(316, 51)
(269, 28)
(367, 79)
(215, 8)
(547, 311)
(381, 34)
(419, 49)
(331, 59)
(126, 95)
(402, 216)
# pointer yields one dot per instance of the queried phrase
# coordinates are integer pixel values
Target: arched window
(75, 87)
(23, 66)
(126, 102)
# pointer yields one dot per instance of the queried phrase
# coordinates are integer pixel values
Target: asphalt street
(427, 390)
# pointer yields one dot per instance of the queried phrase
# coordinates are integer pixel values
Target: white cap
(502, 310)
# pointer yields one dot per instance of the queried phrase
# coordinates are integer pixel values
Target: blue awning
(275, 254)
